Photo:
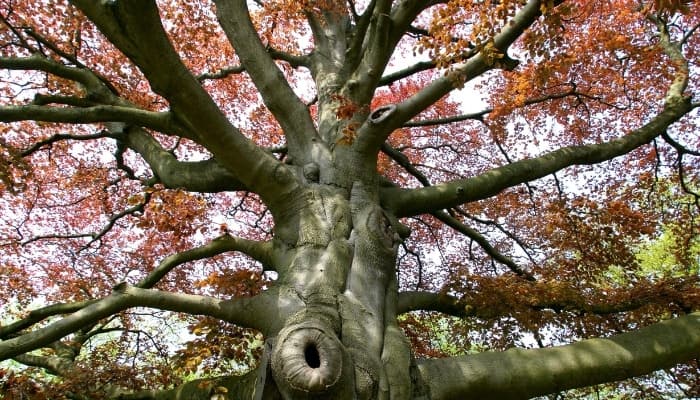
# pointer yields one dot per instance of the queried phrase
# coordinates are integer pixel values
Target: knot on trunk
(307, 358)
(382, 113)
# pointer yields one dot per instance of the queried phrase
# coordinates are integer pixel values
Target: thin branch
(690, 33)
(220, 74)
(684, 184)
(60, 137)
(138, 208)
(404, 162)
(679, 147)
(23, 42)
(51, 46)
(483, 243)
(94, 236)
(509, 234)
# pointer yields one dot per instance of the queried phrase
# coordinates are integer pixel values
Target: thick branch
(53, 365)
(407, 202)
(577, 302)
(406, 72)
(260, 251)
(124, 297)
(207, 176)
(370, 50)
(240, 386)
(40, 315)
(402, 160)
(431, 301)
(288, 109)
(222, 73)
(159, 121)
(479, 116)
(523, 374)
(372, 136)
(134, 26)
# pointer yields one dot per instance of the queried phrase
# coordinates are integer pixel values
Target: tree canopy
(362, 199)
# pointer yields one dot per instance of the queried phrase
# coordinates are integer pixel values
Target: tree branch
(94, 236)
(53, 365)
(539, 296)
(160, 121)
(280, 99)
(371, 136)
(457, 225)
(244, 387)
(41, 314)
(452, 222)
(479, 116)
(407, 202)
(260, 251)
(96, 85)
(523, 374)
(370, 50)
(245, 311)
(406, 72)
(135, 28)
(222, 73)
(431, 301)
(207, 176)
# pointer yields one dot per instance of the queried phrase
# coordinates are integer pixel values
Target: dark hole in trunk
(313, 359)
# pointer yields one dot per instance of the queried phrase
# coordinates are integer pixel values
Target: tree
(296, 175)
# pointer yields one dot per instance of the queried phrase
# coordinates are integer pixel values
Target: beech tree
(348, 199)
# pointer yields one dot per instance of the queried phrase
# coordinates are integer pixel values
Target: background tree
(278, 199)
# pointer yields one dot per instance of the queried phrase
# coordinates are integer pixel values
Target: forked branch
(135, 28)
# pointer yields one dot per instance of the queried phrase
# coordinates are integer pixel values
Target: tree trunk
(344, 342)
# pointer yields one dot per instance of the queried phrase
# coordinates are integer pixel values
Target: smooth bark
(521, 374)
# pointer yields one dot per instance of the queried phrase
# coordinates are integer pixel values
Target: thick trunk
(343, 342)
